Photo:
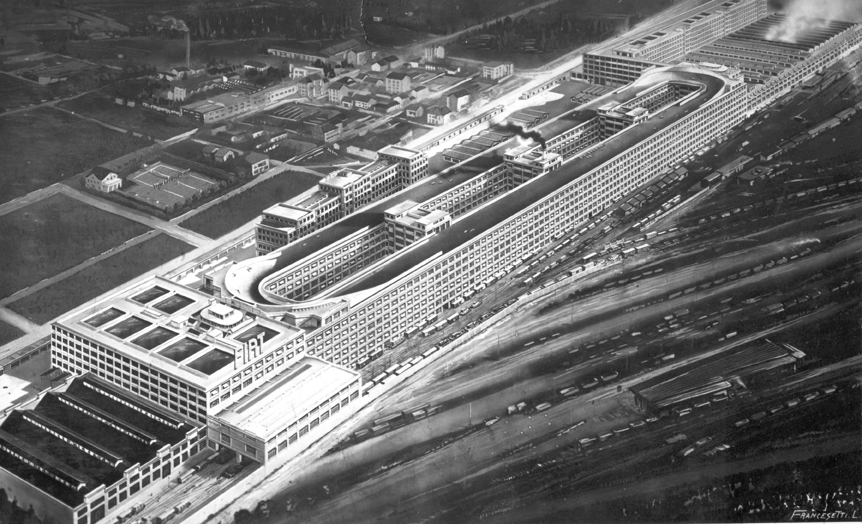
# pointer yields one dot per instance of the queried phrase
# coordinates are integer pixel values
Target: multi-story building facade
(772, 66)
(174, 346)
(205, 361)
(397, 82)
(88, 448)
(625, 63)
(228, 105)
(498, 70)
(339, 194)
(383, 284)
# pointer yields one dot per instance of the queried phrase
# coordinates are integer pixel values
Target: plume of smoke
(523, 133)
(806, 15)
(169, 22)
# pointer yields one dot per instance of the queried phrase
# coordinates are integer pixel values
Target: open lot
(55, 234)
(15, 93)
(160, 126)
(90, 282)
(232, 213)
(8, 333)
(44, 146)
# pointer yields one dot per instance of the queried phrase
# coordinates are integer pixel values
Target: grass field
(8, 333)
(15, 93)
(54, 234)
(232, 213)
(145, 121)
(45, 145)
(164, 54)
(89, 283)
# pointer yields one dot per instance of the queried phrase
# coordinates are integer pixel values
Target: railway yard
(533, 412)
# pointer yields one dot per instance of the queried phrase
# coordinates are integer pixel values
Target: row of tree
(301, 23)
(527, 32)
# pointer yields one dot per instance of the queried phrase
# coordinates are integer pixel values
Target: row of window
(531, 229)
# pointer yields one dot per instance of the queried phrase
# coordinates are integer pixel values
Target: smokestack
(188, 51)
(523, 133)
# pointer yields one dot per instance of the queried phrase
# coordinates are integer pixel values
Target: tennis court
(163, 185)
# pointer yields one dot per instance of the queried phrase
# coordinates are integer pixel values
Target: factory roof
(475, 224)
(287, 396)
(714, 373)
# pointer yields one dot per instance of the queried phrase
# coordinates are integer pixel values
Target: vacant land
(55, 234)
(46, 145)
(138, 119)
(90, 282)
(8, 333)
(232, 213)
(15, 93)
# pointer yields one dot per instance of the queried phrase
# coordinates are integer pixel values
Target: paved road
(174, 230)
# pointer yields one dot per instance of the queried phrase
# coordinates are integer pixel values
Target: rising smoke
(521, 132)
(807, 15)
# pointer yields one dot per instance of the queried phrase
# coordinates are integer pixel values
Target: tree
(242, 516)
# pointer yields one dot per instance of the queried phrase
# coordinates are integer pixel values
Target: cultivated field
(8, 333)
(44, 146)
(148, 122)
(55, 234)
(89, 283)
(232, 213)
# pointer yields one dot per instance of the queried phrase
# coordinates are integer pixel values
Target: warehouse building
(771, 61)
(762, 361)
(87, 450)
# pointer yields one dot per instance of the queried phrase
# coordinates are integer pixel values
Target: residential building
(458, 100)
(439, 115)
(380, 65)
(420, 92)
(104, 180)
(336, 92)
(435, 52)
(257, 162)
(397, 82)
(415, 111)
(498, 70)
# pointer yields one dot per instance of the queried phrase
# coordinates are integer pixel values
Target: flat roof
(287, 396)
(282, 211)
(512, 203)
(370, 217)
(398, 151)
(158, 322)
(701, 377)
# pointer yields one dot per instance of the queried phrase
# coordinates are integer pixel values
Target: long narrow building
(364, 281)
(623, 64)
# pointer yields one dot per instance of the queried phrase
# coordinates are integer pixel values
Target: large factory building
(360, 283)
